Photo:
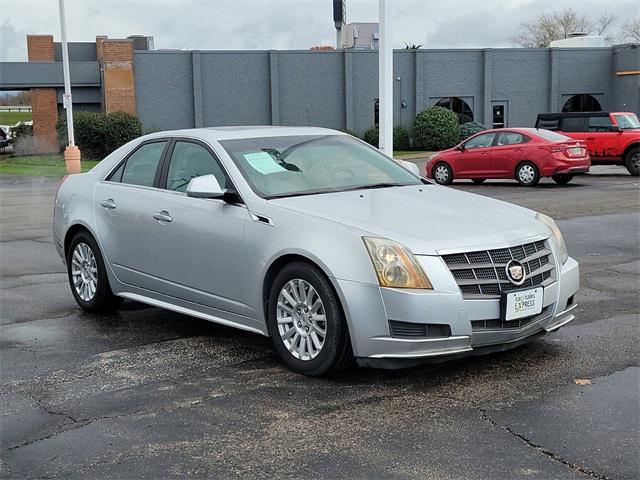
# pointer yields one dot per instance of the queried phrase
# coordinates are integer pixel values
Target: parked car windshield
(305, 165)
(628, 121)
(551, 136)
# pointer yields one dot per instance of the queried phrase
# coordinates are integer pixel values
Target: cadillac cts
(316, 239)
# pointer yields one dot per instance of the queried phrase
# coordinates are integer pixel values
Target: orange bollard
(72, 159)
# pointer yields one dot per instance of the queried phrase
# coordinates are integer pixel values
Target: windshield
(551, 136)
(305, 165)
(627, 121)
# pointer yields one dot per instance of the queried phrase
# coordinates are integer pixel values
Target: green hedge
(470, 128)
(437, 128)
(400, 137)
(99, 134)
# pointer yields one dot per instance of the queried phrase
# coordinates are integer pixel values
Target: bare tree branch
(631, 31)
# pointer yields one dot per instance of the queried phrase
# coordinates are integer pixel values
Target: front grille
(400, 329)
(482, 273)
(497, 324)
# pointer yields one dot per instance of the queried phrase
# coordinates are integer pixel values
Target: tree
(412, 46)
(541, 31)
(631, 31)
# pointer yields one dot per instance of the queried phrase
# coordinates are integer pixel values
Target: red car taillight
(572, 151)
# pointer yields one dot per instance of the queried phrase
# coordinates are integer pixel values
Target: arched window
(582, 103)
(458, 106)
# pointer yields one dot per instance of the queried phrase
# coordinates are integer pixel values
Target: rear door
(122, 206)
(508, 151)
(475, 160)
(575, 127)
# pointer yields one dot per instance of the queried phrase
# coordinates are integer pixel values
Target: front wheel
(88, 276)
(562, 178)
(306, 323)
(632, 161)
(442, 174)
(527, 174)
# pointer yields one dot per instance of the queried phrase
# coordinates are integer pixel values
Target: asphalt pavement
(150, 393)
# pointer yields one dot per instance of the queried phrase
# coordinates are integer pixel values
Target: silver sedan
(313, 238)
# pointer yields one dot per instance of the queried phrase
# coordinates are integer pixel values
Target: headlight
(395, 266)
(557, 235)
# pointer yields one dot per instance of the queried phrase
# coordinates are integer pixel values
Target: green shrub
(99, 134)
(400, 137)
(437, 128)
(470, 128)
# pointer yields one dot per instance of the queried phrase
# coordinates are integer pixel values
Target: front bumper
(369, 309)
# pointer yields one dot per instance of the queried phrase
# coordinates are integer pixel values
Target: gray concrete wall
(337, 89)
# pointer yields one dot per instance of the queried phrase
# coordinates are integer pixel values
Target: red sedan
(526, 154)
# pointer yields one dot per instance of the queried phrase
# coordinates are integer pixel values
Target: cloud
(279, 24)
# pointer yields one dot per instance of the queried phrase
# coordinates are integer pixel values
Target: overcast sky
(281, 24)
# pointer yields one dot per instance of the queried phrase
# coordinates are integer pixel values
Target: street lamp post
(385, 79)
(71, 153)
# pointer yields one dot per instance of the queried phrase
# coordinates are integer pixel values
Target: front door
(475, 160)
(197, 244)
(122, 206)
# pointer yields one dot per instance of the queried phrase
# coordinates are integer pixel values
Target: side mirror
(412, 167)
(614, 128)
(205, 186)
(461, 147)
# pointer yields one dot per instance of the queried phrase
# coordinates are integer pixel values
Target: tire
(293, 337)
(84, 261)
(562, 179)
(478, 181)
(632, 161)
(527, 174)
(442, 173)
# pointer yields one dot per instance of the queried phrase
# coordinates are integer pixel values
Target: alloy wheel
(84, 272)
(635, 161)
(301, 319)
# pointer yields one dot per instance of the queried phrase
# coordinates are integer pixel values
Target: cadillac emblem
(515, 272)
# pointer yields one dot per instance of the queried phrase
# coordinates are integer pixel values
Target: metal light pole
(385, 79)
(71, 153)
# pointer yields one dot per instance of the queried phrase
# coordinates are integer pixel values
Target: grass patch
(411, 153)
(40, 165)
(11, 118)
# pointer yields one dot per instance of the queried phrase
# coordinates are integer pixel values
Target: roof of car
(235, 132)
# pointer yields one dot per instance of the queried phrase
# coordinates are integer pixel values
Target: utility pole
(339, 19)
(71, 153)
(385, 79)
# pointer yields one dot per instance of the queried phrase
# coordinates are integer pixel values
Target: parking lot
(151, 393)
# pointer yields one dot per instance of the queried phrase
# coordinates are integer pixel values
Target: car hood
(428, 219)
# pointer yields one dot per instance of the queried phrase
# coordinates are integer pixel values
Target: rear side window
(191, 160)
(511, 138)
(140, 168)
(574, 124)
(599, 124)
(548, 123)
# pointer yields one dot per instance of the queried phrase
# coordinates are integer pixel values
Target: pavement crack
(539, 448)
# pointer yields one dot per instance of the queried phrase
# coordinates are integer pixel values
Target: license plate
(577, 151)
(522, 303)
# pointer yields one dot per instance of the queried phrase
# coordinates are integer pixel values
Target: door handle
(162, 216)
(108, 204)
(590, 138)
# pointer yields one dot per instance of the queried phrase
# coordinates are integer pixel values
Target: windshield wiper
(375, 185)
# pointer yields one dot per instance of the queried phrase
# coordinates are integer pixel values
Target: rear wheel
(88, 276)
(478, 181)
(442, 174)
(527, 174)
(306, 323)
(632, 161)
(562, 178)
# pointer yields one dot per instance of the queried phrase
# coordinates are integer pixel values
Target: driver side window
(190, 160)
(484, 140)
